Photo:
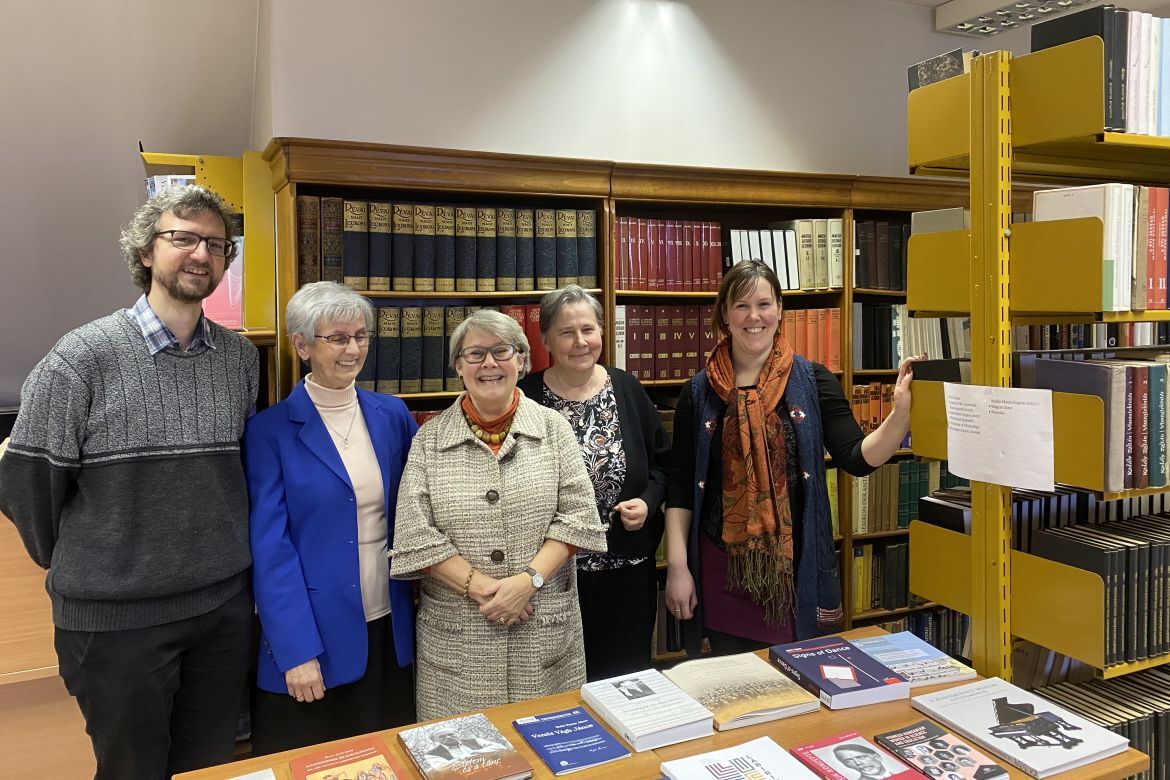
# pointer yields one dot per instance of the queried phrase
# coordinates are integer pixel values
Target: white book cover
(1154, 74)
(836, 253)
(755, 249)
(1164, 77)
(648, 710)
(779, 255)
(1133, 74)
(1028, 732)
(736, 246)
(760, 759)
(791, 255)
(766, 255)
(745, 245)
(1100, 201)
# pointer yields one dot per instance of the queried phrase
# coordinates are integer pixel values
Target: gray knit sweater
(123, 475)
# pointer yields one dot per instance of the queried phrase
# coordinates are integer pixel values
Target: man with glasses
(123, 477)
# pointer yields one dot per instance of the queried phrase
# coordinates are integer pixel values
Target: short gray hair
(321, 302)
(184, 202)
(553, 303)
(499, 325)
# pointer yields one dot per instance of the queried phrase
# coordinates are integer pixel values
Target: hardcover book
(570, 740)
(332, 222)
(1030, 733)
(434, 349)
(389, 334)
(741, 690)
(546, 249)
(410, 350)
(525, 250)
(506, 250)
(760, 759)
(424, 247)
(402, 248)
(308, 239)
(380, 240)
(647, 710)
(444, 249)
(451, 380)
(465, 268)
(466, 747)
(587, 248)
(914, 659)
(485, 249)
(938, 753)
(567, 266)
(838, 672)
(851, 756)
(364, 756)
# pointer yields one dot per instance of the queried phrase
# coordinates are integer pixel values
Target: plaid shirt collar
(159, 337)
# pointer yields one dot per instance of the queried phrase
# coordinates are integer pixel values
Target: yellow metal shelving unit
(1038, 116)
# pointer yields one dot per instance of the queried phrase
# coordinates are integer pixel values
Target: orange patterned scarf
(757, 516)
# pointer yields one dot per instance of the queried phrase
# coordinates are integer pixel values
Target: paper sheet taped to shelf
(1001, 435)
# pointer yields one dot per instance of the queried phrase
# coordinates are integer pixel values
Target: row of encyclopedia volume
(428, 247)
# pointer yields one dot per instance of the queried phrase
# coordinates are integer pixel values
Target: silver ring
(502, 621)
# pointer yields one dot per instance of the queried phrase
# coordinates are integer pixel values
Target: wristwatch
(537, 577)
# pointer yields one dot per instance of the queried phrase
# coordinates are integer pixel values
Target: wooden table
(789, 732)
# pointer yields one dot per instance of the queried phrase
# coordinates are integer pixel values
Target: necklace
(348, 431)
(487, 438)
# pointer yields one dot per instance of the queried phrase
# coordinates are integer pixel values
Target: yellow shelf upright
(991, 206)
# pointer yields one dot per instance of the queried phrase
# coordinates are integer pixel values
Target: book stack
(667, 255)
(435, 247)
(880, 257)
(660, 343)
(1096, 335)
(814, 334)
(805, 254)
(943, 628)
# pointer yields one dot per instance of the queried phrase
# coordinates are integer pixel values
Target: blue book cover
(838, 673)
(570, 740)
(914, 659)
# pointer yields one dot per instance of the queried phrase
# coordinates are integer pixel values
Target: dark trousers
(382, 699)
(163, 699)
(617, 612)
(729, 644)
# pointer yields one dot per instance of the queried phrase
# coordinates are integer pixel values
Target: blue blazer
(304, 538)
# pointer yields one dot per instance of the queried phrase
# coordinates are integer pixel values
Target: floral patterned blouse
(595, 421)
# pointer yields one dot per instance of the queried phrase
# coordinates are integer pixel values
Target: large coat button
(492, 496)
(497, 556)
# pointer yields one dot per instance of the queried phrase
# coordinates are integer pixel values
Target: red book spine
(643, 254)
(661, 343)
(653, 256)
(703, 230)
(707, 339)
(677, 342)
(670, 252)
(715, 258)
(834, 363)
(691, 340)
(621, 254)
(689, 252)
(801, 327)
(788, 326)
(1151, 217)
(1163, 202)
(540, 356)
(812, 335)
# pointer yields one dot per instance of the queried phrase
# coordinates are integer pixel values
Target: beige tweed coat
(456, 497)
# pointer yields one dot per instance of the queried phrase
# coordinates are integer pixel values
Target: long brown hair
(742, 277)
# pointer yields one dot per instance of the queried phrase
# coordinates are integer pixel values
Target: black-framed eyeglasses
(475, 355)
(188, 241)
(341, 340)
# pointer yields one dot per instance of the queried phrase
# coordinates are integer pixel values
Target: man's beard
(184, 290)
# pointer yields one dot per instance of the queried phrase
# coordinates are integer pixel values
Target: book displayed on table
(851, 757)
(917, 661)
(1030, 733)
(466, 747)
(741, 690)
(938, 753)
(647, 710)
(570, 740)
(367, 755)
(760, 759)
(839, 673)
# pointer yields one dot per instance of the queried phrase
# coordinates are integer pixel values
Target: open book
(742, 689)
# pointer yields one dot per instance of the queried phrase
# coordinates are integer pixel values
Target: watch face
(538, 581)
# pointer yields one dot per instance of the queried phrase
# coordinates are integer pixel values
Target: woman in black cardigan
(626, 453)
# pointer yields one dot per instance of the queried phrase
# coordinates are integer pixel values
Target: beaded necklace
(487, 438)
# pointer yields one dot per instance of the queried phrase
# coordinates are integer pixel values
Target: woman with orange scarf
(750, 549)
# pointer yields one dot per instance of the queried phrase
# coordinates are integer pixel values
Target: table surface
(788, 732)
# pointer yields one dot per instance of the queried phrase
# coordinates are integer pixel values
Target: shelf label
(1001, 435)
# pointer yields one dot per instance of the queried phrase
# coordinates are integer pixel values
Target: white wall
(80, 84)
(805, 85)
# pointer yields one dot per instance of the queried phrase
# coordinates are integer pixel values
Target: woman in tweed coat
(493, 503)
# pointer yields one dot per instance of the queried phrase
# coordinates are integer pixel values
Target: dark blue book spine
(389, 325)
(485, 250)
(402, 255)
(444, 249)
(380, 247)
(546, 249)
(566, 247)
(367, 378)
(332, 220)
(410, 350)
(465, 270)
(506, 250)
(355, 245)
(451, 380)
(424, 248)
(433, 349)
(587, 248)
(525, 251)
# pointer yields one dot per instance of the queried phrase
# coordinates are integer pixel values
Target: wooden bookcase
(1041, 117)
(735, 198)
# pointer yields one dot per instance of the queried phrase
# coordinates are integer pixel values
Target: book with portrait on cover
(741, 690)
(465, 747)
(850, 755)
(934, 751)
(368, 755)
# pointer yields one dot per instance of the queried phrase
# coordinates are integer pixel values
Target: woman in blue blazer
(337, 634)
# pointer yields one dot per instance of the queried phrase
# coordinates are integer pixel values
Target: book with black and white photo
(466, 747)
(934, 751)
(1030, 733)
(743, 689)
(848, 756)
(647, 710)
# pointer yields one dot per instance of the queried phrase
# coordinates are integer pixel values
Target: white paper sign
(1001, 435)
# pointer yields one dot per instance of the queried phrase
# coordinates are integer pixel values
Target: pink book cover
(850, 756)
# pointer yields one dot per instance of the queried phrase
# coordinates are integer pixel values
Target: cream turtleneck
(343, 419)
